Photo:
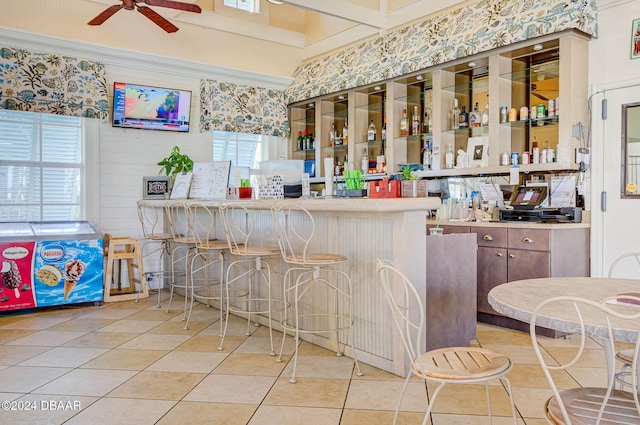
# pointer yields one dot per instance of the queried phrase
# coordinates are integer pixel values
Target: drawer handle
(512, 256)
(499, 254)
(527, 239)
(487, 238)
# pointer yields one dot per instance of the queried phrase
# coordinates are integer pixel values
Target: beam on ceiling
(349, 11)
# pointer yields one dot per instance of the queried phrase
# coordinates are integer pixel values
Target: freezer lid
(9, 231)
(42, 230)
(61, 229)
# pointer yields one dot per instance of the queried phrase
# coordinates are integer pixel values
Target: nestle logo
(53, 254)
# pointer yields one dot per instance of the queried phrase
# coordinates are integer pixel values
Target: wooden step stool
(128, 249)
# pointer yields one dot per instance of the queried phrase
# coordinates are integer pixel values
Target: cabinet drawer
(532, 239)
(491, 236)
(450, 229)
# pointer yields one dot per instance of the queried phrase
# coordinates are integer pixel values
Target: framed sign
(478, 151)
(635, 39)
(156, 187)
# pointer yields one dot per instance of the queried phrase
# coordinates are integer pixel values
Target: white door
(615, 220)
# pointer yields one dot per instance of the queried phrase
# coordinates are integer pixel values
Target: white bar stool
(317, 294)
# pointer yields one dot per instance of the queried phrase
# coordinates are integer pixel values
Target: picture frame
(478, 151)
(635, 39)
(181, 186)
(156, 187)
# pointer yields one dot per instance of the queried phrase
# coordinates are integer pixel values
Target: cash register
(526, 206)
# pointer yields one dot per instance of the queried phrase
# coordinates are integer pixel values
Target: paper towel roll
(328, 176)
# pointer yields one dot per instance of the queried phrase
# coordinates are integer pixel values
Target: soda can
(503, 114)
(542, 112)
(552, 107)
(514, 158)
(525, 157)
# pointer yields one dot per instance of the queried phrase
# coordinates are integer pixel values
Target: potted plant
(411, 186)
(245, 191)
(176, 163)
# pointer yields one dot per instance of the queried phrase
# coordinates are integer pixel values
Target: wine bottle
(485, 114)
(300, 141)
(345, 133)
(332, 135)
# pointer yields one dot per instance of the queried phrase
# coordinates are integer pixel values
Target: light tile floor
(133, 363)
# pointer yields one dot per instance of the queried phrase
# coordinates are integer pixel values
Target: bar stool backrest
(295, 227)
(238, 226)
(151, 220)
(631, 260)
(201, 224)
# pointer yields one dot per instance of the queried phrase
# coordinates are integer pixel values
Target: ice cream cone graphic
(73, 270)
(11, 276)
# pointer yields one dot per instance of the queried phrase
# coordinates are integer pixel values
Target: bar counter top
(331, 204)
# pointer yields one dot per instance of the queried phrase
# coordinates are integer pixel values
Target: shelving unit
(529, 74)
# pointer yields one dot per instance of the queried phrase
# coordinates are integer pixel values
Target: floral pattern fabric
(242, 109)
(54, 84)
(468, 30)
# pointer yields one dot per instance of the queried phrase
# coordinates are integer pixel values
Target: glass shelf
(483, 128)
(532, 123)
(478, 85)
(373, 107)
(542, 71)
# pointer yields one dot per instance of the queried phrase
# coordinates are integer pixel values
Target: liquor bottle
(371, 132)
(345, 133)
(332, 135)
(415, 122)
(485, 114)
(383, 132)
(307, 138)
(455, 116)
(300, 141)
(427, 121)
(475, 118)
(426, 156)
(464, 117)
(448, 156)
(364, 162)
(404, 125)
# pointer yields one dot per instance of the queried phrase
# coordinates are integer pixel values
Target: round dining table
(518, 300)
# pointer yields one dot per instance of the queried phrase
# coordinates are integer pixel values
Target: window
(252, 6)
(244, 150)
(41, 167)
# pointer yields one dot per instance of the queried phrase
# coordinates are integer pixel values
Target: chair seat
(316, 259)
(583, 403)
(459, 363)
(212, 244)
(160, 236)
(255, 250)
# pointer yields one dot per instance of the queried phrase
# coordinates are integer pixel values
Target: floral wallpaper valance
(242, 109)
(54, 84)
(471, 29)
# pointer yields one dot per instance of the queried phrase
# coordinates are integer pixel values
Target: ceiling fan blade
(174, 5)
(157, 19)
(106, 14)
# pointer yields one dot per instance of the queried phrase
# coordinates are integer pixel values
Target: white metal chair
(631, 260)
(317, 294)
(156, 244)
(450, 365)
(206, 265)
(248, 278)
(589, 319)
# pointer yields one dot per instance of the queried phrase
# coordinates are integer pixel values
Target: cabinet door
(525, 264)
(492, 271)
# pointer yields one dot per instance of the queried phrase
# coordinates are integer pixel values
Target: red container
(385, 189)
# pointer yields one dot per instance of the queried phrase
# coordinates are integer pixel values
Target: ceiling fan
(141, 5)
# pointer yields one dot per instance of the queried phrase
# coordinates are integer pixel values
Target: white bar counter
(363, 230)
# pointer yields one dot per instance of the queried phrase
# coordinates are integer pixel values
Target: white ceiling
(316, 26)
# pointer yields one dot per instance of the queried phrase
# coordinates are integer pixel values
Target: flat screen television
(150, 108)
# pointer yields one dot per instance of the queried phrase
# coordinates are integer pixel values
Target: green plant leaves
(176, 163)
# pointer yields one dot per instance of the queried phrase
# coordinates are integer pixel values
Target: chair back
(406, 308)
(237, 223)
(151, 220)
(295, 228)
(201, 224)
(608, 321)
(627, 265)
(178, 220)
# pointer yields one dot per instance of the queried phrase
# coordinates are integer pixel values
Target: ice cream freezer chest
(50, 263)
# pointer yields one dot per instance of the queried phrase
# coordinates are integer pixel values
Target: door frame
(596, 180)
